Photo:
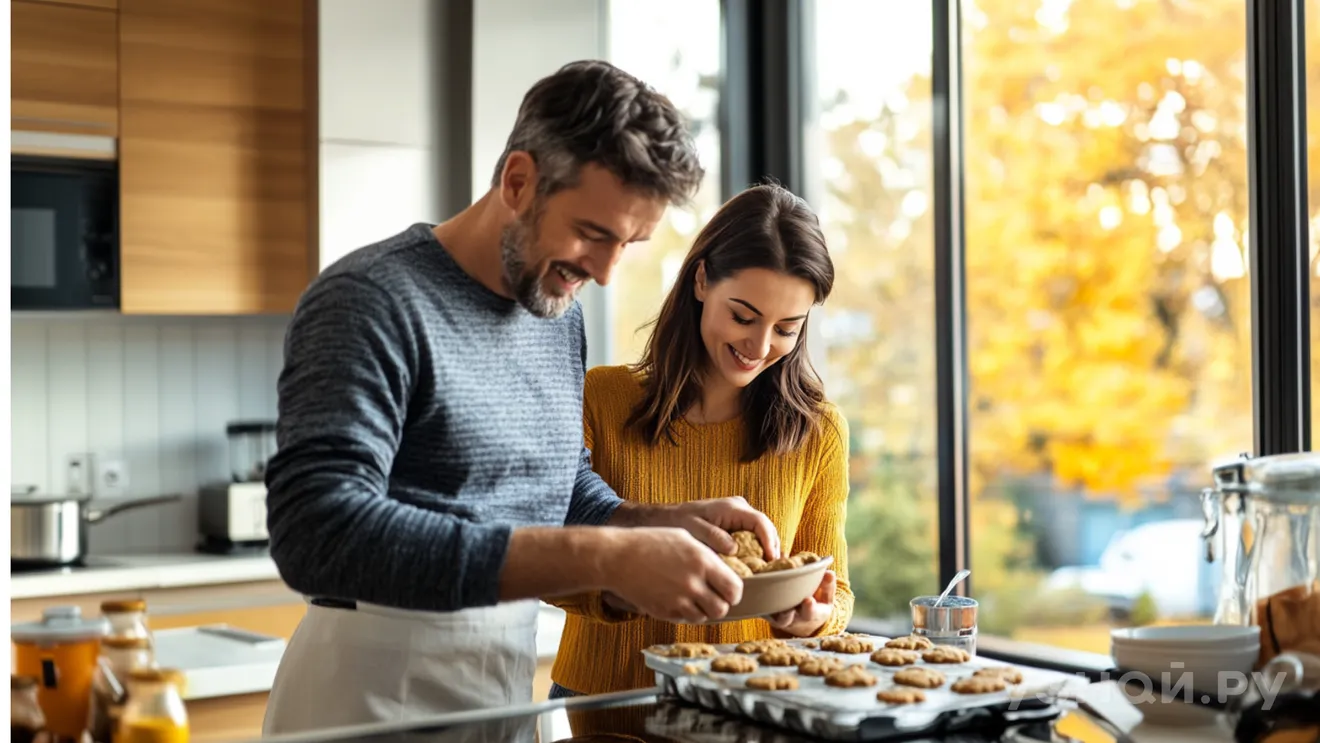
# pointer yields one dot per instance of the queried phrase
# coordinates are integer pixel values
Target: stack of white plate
(1170, 667)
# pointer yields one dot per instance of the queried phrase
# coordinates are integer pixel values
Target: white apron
(376, 664)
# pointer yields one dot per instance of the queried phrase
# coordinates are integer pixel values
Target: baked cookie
(922, 678)
(819, 666)
(892, 657)
(811, 644)
(747, 545)
(755, 564)
(945, 654)
(806, 558)
(1009, 674)
(782, 563)
(900, 696)
(737, 566)
(773, 682)
(755, 647)
(911, 642)
(979, 685)
(847, 645)
(733, 664)
(691, 669)
(784, 656)
(686, 650)
(850, 677)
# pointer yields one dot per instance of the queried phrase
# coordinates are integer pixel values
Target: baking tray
(831, 713)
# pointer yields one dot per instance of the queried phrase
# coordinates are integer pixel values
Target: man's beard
(526, 283)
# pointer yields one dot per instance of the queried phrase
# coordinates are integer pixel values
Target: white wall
(155, 393)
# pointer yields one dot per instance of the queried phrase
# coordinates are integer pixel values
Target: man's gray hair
(594, 112)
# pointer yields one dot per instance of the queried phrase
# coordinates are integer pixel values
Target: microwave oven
(63, 234)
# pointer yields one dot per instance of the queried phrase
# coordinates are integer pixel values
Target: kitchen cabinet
(64, 69)
(217, 149)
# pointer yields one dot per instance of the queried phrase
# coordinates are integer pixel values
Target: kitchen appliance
(1263, 521)
(232, 515)
(64, 234)
(60, 651)
(50, 531)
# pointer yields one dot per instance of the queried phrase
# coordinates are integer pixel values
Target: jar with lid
(120, 656)
(26, 720)
(60, 651)
(155, 712)
(128, 618)
(1263, 521)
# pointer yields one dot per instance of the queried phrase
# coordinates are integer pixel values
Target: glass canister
(128, 618)
(1264, 513)
(155, 712)
(60, 651)
(120, 656)
(952, 622)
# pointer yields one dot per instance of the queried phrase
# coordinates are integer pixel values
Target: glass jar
(26, 720)
(120, 656)
(128, 618)
(60, 651)
(155, 712)
(1264, 516)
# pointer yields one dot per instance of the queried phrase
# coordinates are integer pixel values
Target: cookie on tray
(979, 685)
(911, 642)
(819, 666)
(756, 647)
(922, 678)
(773, 682)
(898, 695)
(785, 656)
(847, 645)
(893, 657)
(945, 654)
(686, 650)
(850, 677)
(1009, 674)
(733, 664)
(812, 644)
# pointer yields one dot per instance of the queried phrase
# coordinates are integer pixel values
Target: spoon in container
(962, 574)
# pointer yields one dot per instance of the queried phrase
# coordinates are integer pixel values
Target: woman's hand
(809, 616)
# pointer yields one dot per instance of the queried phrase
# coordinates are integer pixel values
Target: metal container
(48, 531)
(952, 623)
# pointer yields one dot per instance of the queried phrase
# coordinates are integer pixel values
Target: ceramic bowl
(768, 593)
(1188, 636)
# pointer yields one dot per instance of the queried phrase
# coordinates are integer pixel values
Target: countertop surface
(142, 572)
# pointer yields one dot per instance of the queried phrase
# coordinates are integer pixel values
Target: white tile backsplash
(154, 393)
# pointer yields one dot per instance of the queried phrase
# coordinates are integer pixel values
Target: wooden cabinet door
(65, 69)
(216, 138)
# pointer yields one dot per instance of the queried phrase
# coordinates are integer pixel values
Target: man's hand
(667, 574)
(711, 521)
(804, 619)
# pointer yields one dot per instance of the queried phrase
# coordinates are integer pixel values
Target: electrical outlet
(112, 478)
(78, 480)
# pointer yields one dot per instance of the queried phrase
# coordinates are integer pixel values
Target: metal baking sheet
(834, 713)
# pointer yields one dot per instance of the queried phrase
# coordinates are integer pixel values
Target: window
(675, 47)
(1108, 308)
(869, 162)
(1312, 45)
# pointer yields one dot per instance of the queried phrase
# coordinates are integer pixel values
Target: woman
(723, 402)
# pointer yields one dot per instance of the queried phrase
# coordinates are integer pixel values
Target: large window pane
(1107, 305)
(1312, 45)
(675, 47)
(869, 148)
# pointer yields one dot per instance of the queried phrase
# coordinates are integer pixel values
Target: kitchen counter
(142, 572)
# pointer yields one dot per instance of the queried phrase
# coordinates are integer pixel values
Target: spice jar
(120, 656)
(60, 651)
(155, 712)
(26, 720)
(128, 618)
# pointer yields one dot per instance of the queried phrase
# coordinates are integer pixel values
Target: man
(431, 481)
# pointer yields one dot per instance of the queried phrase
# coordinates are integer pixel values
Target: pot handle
(22, 490)
(97, 515)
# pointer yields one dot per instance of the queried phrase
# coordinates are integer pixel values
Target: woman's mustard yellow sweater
(804, 493)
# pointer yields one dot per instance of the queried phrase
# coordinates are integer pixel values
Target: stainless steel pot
(51, 530)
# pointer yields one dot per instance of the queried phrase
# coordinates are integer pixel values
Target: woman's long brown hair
(763, 227)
